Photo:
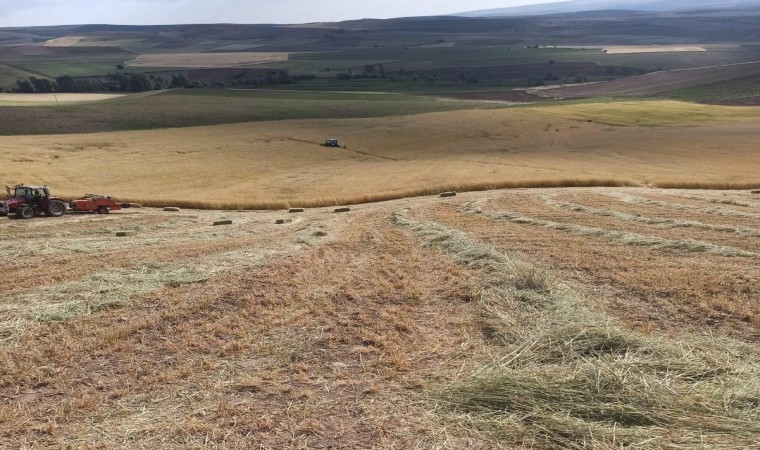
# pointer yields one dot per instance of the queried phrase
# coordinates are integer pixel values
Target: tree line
(141, 82)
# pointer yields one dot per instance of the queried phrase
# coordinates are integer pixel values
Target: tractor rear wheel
(55, 208)
(24, 212)
(102, 210)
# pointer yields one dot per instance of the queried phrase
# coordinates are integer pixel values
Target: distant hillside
(602, 5)
(720, 80)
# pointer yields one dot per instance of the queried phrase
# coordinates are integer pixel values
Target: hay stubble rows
(384, 326)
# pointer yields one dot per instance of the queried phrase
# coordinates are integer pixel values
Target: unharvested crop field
(544, 318)
(232, 59)
(276, 163)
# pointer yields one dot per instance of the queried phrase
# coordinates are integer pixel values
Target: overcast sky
(19, 13)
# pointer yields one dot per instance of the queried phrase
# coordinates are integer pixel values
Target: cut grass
(113, 288)
(725, 186)
(635, 200)
(688, 245)
(658, 221)
(563, 376)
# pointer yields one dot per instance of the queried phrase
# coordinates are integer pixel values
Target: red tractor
(25, 202)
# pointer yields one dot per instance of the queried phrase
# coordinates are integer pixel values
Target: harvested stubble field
(572, 318)
(280, 163)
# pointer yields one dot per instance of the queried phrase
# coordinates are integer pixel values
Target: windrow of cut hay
(708, 185)
(661, 222)
(565, 376)
(628, 238)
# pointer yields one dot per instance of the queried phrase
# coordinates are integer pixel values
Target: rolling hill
(576, 6)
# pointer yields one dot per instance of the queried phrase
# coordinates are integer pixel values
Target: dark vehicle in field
(332, 142)
(25, 202)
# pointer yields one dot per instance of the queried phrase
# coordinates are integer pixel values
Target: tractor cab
(30, 193)
(332, 142)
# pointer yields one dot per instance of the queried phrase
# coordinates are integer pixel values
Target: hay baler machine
(25, 202)
(101, 204)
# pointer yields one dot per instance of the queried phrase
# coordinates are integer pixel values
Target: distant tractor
(332, 142)
(101, 204)
(25, 202)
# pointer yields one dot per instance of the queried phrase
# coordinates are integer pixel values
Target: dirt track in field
(335, 329)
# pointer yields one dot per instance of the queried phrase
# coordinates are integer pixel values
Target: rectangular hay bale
(123, 233)
(448, 194)
(295, 210)
(343, 209)
(282, 221)
(223, 222)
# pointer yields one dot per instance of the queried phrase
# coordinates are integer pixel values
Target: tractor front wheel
(24, 212)
(55, 208)
(102, 210)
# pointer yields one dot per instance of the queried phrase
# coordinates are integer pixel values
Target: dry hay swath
(570, 377)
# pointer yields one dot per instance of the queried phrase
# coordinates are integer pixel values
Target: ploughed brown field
(371, 328)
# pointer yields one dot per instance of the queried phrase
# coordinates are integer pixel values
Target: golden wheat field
(524, 318)
(279, 163)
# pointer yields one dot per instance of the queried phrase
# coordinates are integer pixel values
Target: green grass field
(731, 89)
(9, 75)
